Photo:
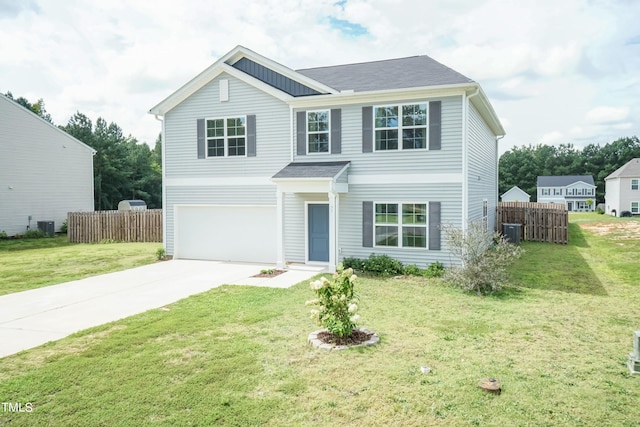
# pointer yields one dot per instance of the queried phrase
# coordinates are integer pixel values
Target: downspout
(291, 131)
(497, 189)
(465, 158)
(164, 190)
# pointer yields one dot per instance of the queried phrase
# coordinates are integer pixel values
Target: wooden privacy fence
(121, 226)
(540, 222)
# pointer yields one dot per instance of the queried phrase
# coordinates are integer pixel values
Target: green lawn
(239, 356)
(34, 263)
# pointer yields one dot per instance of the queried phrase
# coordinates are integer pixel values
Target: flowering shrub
(485, 258)
(336, 301)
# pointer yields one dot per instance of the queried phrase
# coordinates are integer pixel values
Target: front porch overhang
(311, 177)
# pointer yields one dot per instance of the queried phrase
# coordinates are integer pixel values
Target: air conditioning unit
(512, 232)
(48, 227)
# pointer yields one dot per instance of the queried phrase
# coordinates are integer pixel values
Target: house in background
(262, 163)
(515, 194)
(44, 172)
(622, 189)
(571, 191)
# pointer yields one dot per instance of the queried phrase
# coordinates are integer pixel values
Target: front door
(569, 206)
(318, 232)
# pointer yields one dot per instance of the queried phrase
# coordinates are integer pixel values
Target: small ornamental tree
(336, 302)
(485, 258)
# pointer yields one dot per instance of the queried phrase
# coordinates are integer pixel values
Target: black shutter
(367, 129)
(201, 139)
(434, 226)
(301, 131)
(336, 131)
(367, 224)
(251, 135)
(435, 120)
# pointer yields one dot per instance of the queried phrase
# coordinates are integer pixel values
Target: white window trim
(226, 136)
(637, 182)
(400, 127)
(485, 214)
(328, 132)
(631, 207)
(400, 225)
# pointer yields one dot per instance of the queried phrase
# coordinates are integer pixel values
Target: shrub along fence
(541, 222)
(121, 226)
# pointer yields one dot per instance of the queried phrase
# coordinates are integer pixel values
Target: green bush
(160, 253)
(383, 265)
(599, 210)
(356, 263)
(35, 233)
(64, 227)
(412, 270)
(3, 235)
(336, 301)
(436, 269)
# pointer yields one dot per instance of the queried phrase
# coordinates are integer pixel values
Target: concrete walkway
(31, 318)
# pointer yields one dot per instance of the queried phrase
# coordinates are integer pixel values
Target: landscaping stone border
(316, 342)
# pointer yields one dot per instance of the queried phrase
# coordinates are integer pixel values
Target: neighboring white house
(266, 164)
(571, 191)
(515, 194)
(622, 189)
(44, 172)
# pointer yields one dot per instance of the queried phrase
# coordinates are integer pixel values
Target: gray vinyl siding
(273, 128)
(350, 221)
(44, 173)
(294, 224)
(446, 160)
(482, 170)
(220, 195)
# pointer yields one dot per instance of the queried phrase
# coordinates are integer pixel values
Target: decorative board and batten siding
(447, 159)
(44, 172)
(482, 175)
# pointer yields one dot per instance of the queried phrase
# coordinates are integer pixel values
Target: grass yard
(33, 263)
(238, 356)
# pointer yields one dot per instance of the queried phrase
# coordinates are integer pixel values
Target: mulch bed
(356, 337)
(274, 274)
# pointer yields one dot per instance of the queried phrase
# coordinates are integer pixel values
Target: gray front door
(318, 224)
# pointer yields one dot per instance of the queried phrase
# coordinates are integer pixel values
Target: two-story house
(622, 189)
(262, 163)
(574, 192)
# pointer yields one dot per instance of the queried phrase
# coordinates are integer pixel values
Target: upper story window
(226, 137)
(579, 191)
(400, 127)
(545, 191)
(557, 191)
(635, 183)
(318, 128)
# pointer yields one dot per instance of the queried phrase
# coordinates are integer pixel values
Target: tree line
(123, 168)
(522, 165)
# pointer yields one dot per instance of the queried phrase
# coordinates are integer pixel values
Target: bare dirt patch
(621, 230)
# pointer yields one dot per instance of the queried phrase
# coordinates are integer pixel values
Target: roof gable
(631, 169)
(270, 77)
(12, 104)
(564, 181)
(515, 190)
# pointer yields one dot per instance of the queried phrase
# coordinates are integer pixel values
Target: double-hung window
(318, 129)
(545, 191)
(226, 137)
(635, 207)
(635, 183)
(400, 127)
(401, 225)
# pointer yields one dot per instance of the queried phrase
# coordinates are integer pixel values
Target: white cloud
(605, 114)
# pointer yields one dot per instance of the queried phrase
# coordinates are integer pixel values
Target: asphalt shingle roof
(414, 71)
(629, 169)
(563, 181)
(311, 170)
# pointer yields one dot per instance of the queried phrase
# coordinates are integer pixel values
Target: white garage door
(226, 233)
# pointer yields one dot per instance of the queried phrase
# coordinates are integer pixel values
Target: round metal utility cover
(491, 385)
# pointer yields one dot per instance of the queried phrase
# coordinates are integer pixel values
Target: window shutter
(434, 226)
(336, 131)
(367, 129)
(435, 120)
(201, 139)
(301, 131)
(367, 224)
(251, 135)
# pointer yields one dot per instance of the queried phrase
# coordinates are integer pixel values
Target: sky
(555, 71)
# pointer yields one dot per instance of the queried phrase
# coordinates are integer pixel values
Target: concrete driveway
(31, 318)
